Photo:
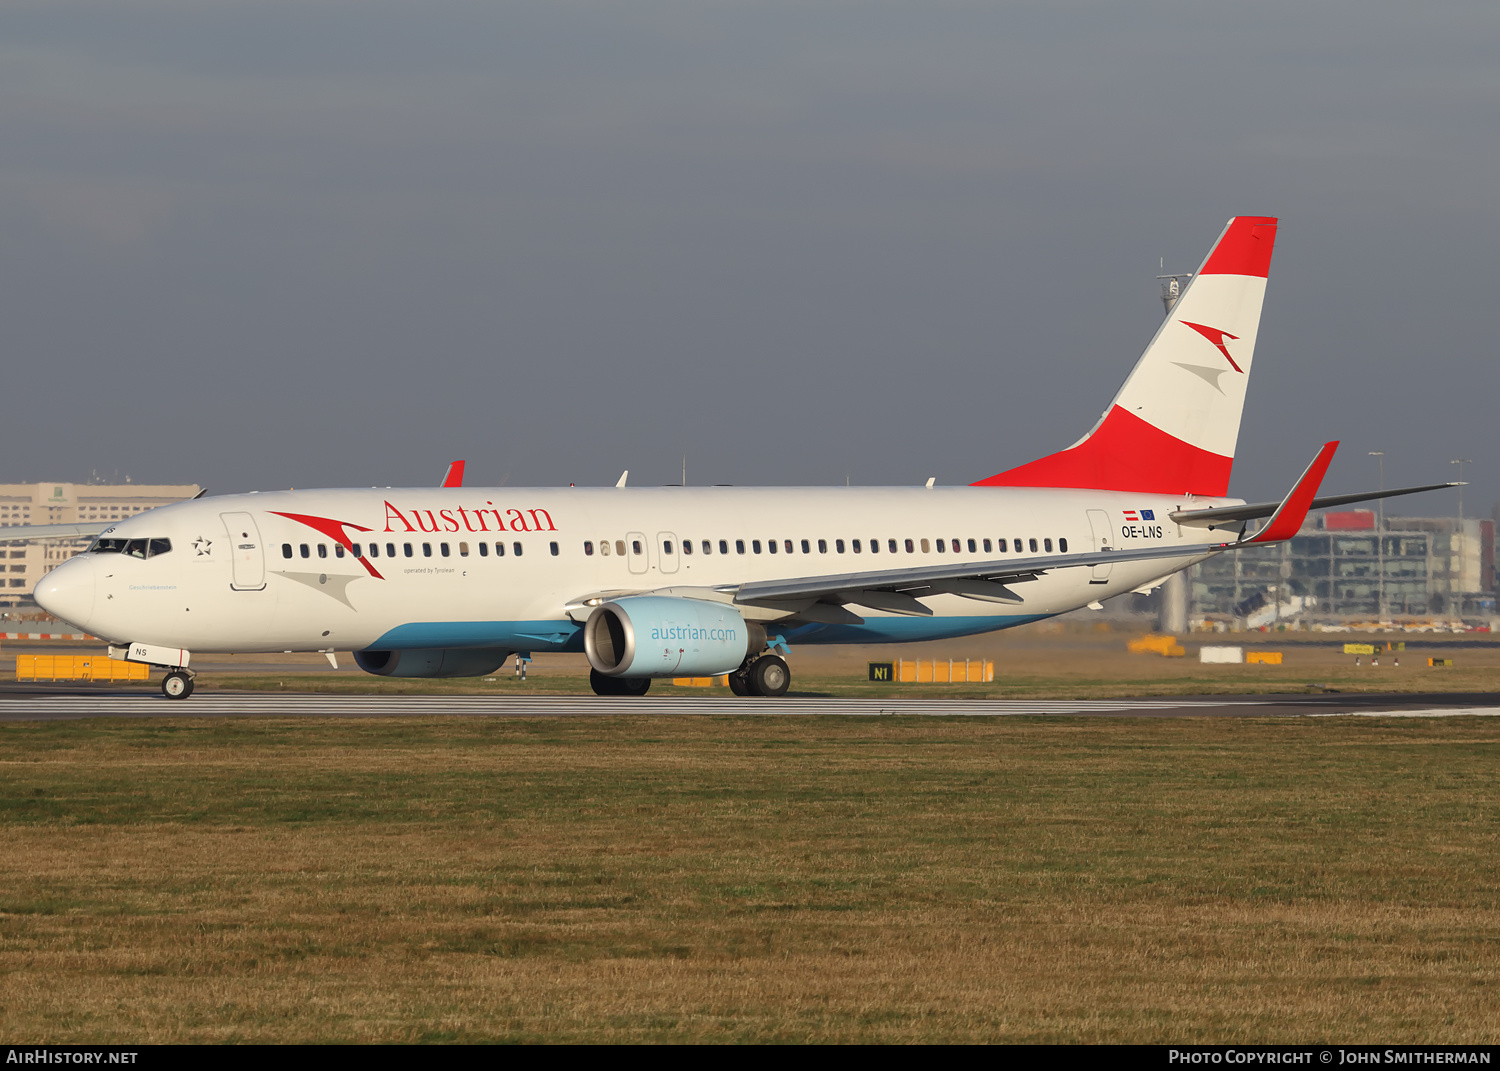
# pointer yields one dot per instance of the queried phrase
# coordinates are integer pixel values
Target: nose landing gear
(178, 684)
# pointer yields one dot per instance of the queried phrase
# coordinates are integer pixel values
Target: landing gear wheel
(603, 684)
(177, 685)
(739, 682)
(769, 676)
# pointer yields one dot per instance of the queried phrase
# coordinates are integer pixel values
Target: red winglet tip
(1244, 248)
(454, 477)
(1287, 520)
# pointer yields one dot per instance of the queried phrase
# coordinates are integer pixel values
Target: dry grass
(749, 879)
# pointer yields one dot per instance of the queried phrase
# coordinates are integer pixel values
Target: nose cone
(68, 591)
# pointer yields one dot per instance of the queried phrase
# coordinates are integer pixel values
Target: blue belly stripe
(555, 636)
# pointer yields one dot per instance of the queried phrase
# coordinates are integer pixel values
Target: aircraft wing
(1224, 516)
(897, 590)
(32, 532)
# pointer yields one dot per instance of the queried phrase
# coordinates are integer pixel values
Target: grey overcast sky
(266, 244)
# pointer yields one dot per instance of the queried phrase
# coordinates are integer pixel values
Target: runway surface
(41, 706)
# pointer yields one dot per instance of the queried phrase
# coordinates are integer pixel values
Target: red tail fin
(1173, 426)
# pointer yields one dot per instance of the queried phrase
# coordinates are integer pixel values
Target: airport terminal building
(66, 503)
(1349, 567)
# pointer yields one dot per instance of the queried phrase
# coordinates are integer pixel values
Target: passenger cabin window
(406, 549)
(499, 550)
(286, 550)
(338, 550)
(807, 547)
(355, 548)
(390, 550)
(588, 548)
(941, 546)
(972, 547)
(687, 546)
(724, 547)
(635, 546)
(620, 547)
(1062, 545)
(426, 550)
(515, 549)
(788, 545)
(854, 545)
(553, 548)
(463, 550)
(771, 545)
(925, 548)
(739, 546)
(1047, 545)
(304, 550)
(322, 550)
(1033, 546)
(666, 546)
(986, 546)
(890, 545)
(484, 550)
(443, 549)
(708, 547)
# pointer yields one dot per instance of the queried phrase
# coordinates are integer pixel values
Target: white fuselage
(241, 575)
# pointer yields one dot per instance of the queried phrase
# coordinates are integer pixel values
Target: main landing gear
(767, 676)
(178, 684)
(603, 684)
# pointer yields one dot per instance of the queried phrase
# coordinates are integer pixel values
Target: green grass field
(749, 879)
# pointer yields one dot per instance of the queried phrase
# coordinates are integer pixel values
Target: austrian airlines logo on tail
(1217, 337)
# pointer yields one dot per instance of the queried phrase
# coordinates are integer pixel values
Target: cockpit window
(135, 548)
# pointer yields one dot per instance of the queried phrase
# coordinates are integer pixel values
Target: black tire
(635, 685)
(769, 676)
(604, 685)
(739, 682)
(177, 685)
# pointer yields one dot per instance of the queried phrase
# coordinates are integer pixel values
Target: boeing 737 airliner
(677, 581)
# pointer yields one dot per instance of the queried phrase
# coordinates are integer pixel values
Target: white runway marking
(1434, 712)
(207, 703)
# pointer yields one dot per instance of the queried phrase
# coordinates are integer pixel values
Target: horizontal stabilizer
(1224, 516)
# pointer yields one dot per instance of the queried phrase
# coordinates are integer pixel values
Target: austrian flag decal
(1140, 515)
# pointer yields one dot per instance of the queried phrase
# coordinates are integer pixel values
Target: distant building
(1343, 568)
(24, 564)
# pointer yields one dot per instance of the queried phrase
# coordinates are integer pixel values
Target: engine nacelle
(664, 636)
(439, 662)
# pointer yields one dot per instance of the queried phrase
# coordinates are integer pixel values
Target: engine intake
(438, 662)
(664, 636)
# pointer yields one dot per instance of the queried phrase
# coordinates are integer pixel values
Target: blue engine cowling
(449, 662)
(663, 636)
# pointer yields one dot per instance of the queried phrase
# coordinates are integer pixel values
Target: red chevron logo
(1217, 337)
